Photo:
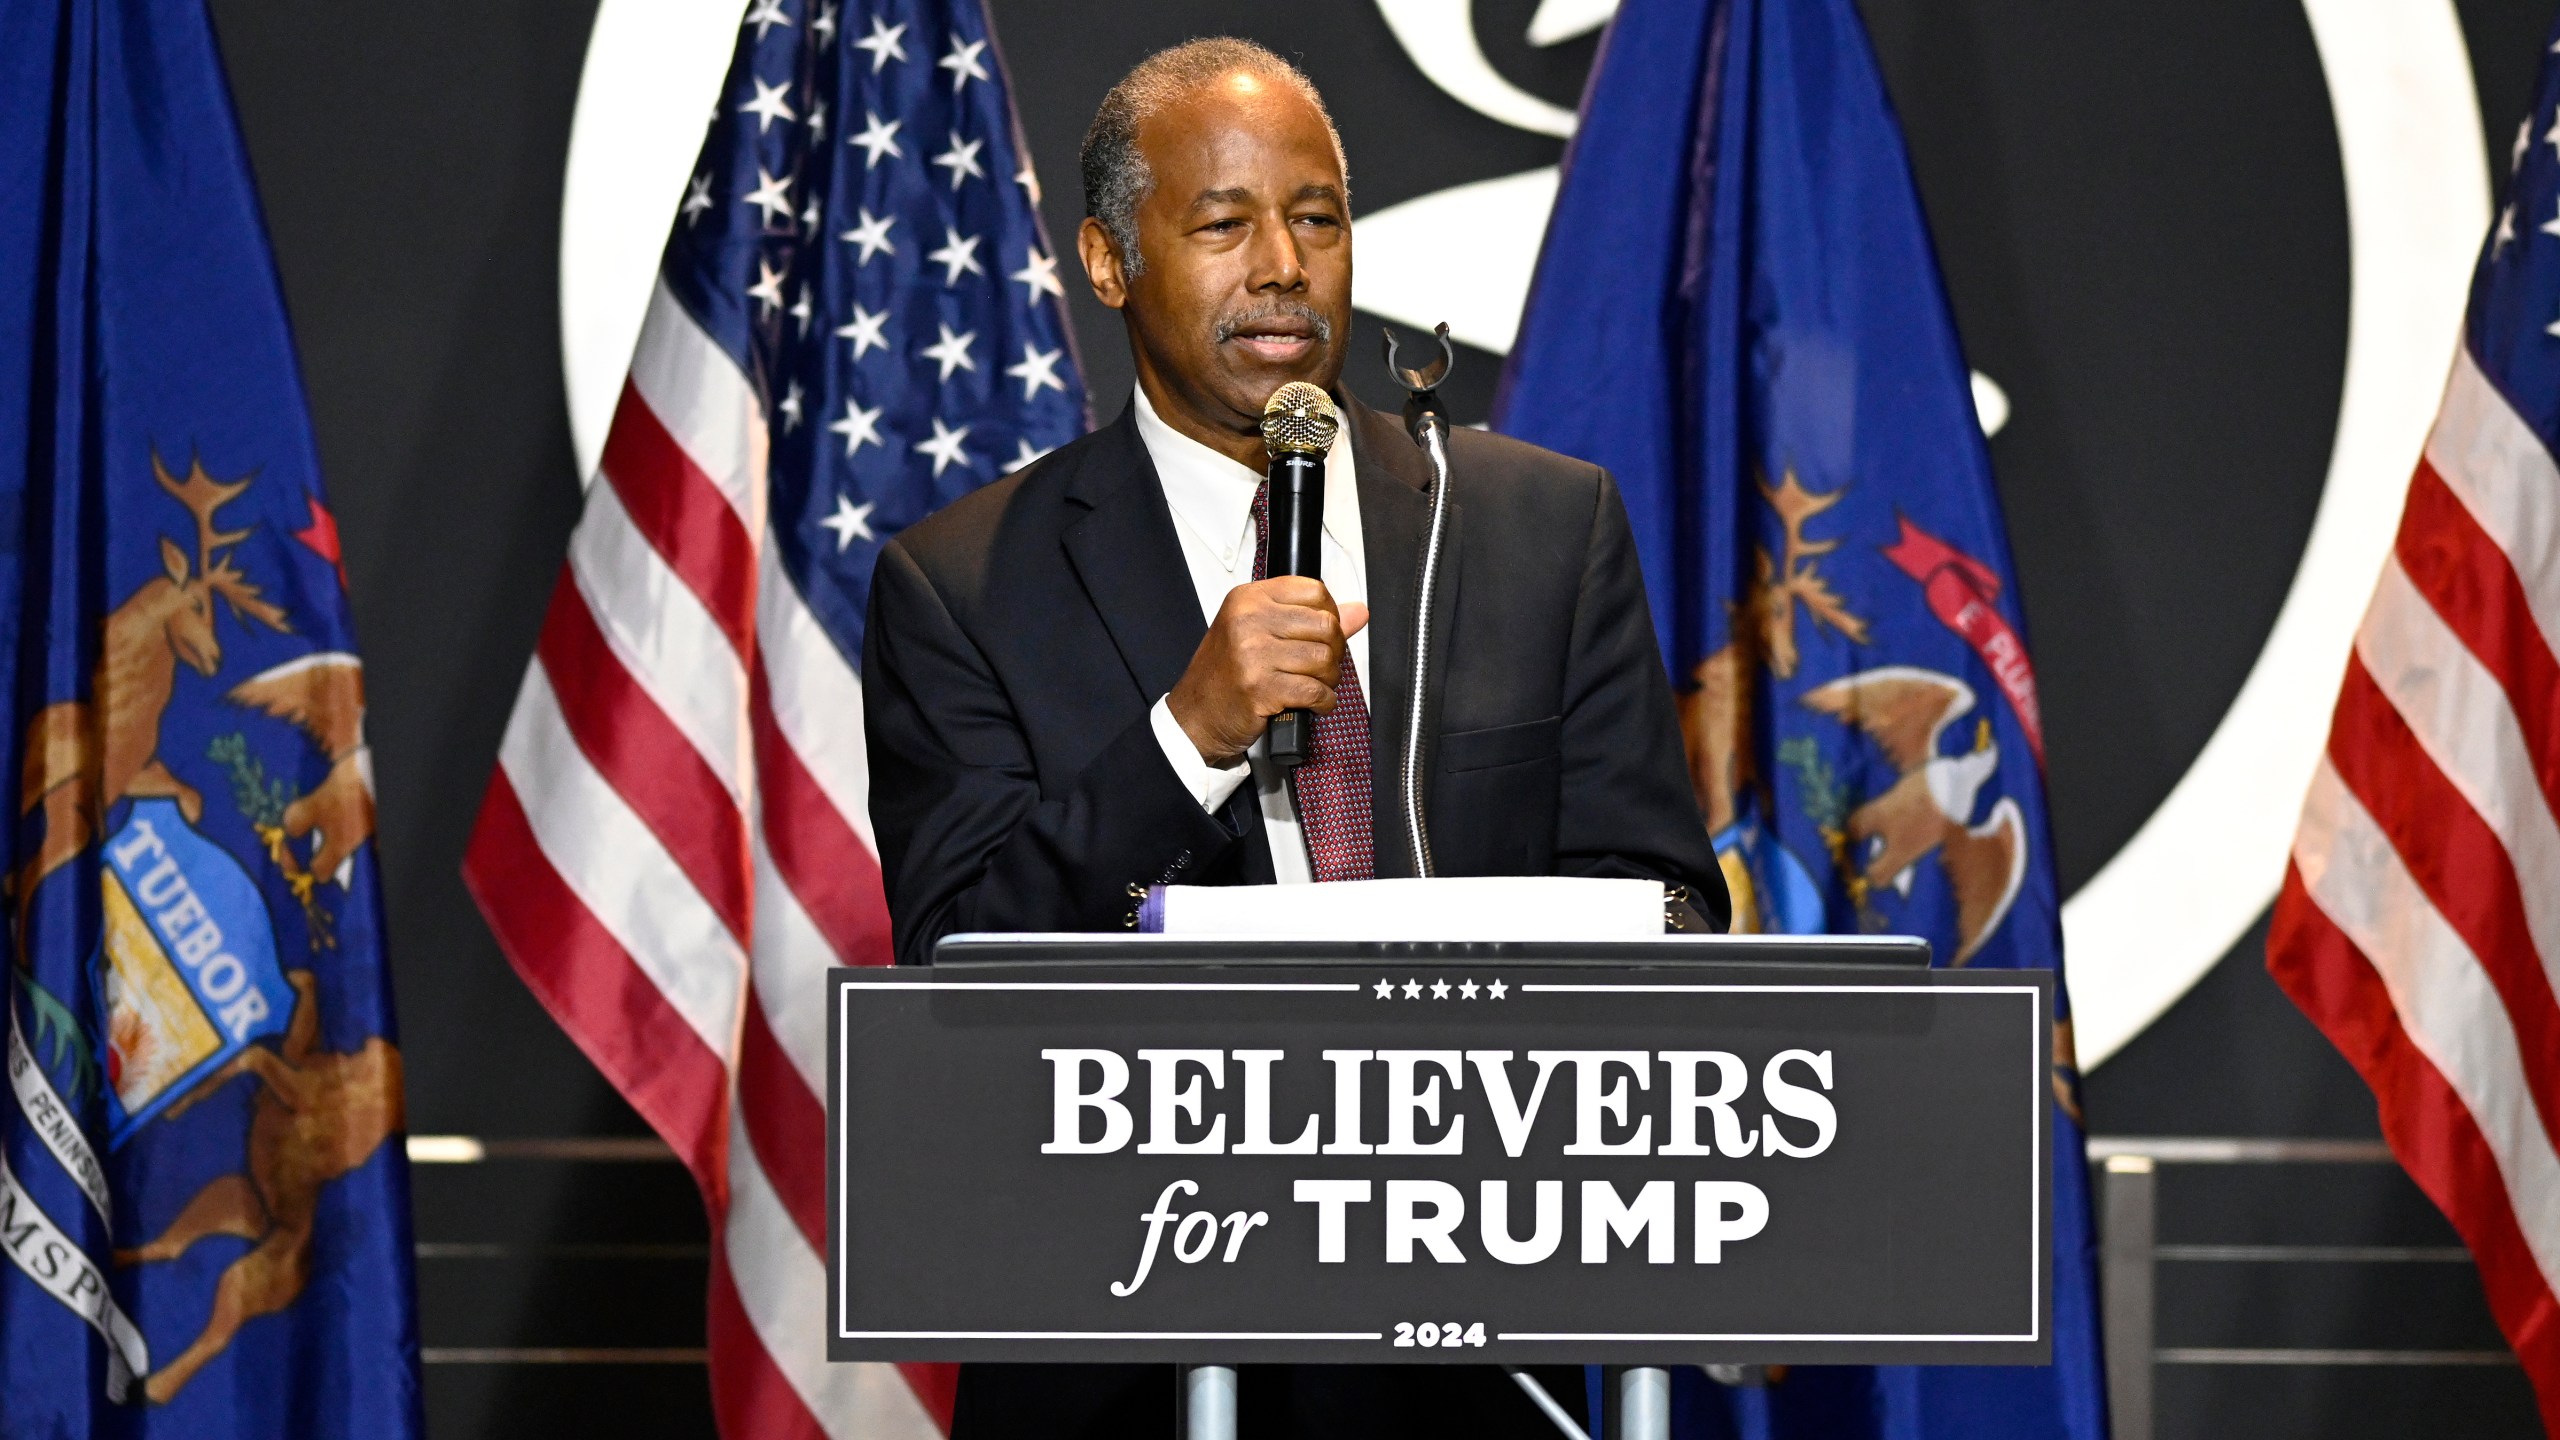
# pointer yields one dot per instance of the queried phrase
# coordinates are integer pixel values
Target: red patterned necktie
(1332, 788)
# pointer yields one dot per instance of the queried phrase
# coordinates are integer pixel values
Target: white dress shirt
(1212, 501)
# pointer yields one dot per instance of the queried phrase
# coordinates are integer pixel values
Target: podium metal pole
(1205, 1402)
(1644, 1403)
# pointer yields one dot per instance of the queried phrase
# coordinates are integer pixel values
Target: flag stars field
(944, 446)
(879, 137)
(871, 234)
(772, 195)
(882, 43)
(850, 522)
(767, 291)
(1038, 368)
(952, 351)
(867, 330)
(961, 160)
(1038, 273)
(771, 103)
(958, 256)
(962, 62)
(859, 427)
(764, 15)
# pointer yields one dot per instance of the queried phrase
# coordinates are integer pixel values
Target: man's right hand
(1276, 645)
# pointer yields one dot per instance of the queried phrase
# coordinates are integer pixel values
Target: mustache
(1231, 326)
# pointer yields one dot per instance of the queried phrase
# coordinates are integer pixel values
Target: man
(1067, 672)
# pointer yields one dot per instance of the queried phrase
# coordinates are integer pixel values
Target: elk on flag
(857, 320)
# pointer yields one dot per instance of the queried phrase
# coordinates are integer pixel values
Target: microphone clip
(1426, 419)
(1423, 408)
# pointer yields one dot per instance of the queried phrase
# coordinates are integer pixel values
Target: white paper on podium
(1503, 907)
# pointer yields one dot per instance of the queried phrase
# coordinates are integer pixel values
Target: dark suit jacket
(1016, 643)
(1018, 638)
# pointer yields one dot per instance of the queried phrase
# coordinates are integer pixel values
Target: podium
(1212, 1152)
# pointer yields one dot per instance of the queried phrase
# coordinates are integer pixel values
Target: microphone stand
(1426, 419)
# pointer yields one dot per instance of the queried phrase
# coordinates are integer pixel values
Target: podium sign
(1728, 1150)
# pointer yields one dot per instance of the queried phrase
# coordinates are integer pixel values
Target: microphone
(1298, 425)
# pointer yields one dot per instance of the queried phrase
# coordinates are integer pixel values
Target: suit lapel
(1130, 562)
(1395, 521)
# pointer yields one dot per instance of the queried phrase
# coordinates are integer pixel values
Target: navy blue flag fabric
(204, 1217)
(1739, 313)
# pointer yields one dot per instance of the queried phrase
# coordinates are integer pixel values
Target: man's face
(1247, 246)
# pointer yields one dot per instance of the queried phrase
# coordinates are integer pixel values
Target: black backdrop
(2142, 219)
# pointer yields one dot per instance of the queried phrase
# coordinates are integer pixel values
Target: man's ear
(1101, 263)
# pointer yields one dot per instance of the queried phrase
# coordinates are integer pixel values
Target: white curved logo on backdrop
(2202, 869)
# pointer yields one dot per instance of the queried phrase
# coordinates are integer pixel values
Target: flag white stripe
(888, 1409)
(791, 960)
(665, 636)
(2500, 470)
(2444, 999)
(782, 1284)
(2463, 721)
(704, 401)
(817, 696)
(618, 870)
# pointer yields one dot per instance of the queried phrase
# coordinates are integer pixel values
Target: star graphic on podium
(1467, 990)
(1495, 989)
(1413, 989)
(1439, 989)
(1386, 990)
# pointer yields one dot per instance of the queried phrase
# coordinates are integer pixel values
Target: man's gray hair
(1116, 178)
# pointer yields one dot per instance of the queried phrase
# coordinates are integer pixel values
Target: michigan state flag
(1739, 313)
(204, 1222)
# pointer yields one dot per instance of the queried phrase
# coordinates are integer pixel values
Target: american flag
(858, 319)
(2419, 924)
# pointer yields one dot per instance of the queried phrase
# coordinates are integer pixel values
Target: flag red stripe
(749, 1396)
(646, 759)
(936, 1388)
(683, 515)
(2473, 585)
(596, 992)
(2458, 861)
(813, 848)
(2426, 1123)
(786, 1123)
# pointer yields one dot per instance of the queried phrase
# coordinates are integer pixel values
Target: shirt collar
(1212, 496)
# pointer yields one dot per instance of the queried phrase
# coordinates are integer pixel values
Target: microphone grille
(1299, 419)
